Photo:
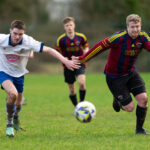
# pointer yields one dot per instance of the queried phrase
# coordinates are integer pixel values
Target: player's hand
(70, 64)
(75, 59)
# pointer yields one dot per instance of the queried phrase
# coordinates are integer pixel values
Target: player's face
(16, 35)
(69, 27)
(134, 29)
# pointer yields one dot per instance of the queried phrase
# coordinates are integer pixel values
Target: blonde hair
(68, 19)
(133, 17)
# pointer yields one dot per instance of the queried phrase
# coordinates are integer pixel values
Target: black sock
(16, 115)
(10, 112)
(82, 95)
(73, 99)
(140, 114)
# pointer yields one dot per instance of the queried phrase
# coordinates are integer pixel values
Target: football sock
(82, 95)
(10, 113)
(140, 114)
(18, 108)
(73, 99)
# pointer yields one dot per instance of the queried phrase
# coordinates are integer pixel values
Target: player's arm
(95, 50)
(146, 44)
(58, 45)
(31, 54)
(85, 44)
(86, 49)
(68, 63)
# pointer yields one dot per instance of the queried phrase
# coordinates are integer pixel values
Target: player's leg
(16, 120)
(137, 87)
(80, 73)
(82, 88)
(141, 112)
(70, 79)
(12, 95)
(23, 101)
(119, 89)
(19, 84)
(72, 94)
(116, 105)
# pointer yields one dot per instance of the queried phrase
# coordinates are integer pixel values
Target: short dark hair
(18, 24)
(68, 19)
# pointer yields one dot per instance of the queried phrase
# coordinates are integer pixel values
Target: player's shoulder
(81, 35)
(4, 38)
(143, 33)
(61, 36)
(117, 35)
(4, 35)
(27, 39)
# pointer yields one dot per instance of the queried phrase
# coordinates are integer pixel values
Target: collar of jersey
(9, 42)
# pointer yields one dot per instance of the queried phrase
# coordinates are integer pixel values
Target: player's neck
(71, 35)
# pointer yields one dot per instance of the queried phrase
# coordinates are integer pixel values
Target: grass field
(50, 124)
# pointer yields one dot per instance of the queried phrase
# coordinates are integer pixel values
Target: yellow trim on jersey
(146, 35)
(63, 35)
(114, 37)
(82, 35)
(105, 43)
(94, 52)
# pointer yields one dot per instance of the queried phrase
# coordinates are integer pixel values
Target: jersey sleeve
(34, 45)
(58, 46)
(85, 42)
(146, 43)
(103, 45)
(95, 50)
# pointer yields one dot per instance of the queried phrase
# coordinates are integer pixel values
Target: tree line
(97, 19)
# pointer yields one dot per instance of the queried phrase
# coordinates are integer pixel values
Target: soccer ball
(85, 111)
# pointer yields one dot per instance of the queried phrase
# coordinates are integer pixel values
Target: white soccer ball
(85, 111)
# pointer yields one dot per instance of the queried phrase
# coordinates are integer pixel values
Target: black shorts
(70, 76)
(122, 87)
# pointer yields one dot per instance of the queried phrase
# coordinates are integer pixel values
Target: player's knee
(13, 95)
(144, 101)
(129, 107)
(72, 91)
(82, 86)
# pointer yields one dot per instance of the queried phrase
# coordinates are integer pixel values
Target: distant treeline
(97, 19)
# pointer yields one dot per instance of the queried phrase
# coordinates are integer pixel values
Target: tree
(27, 10)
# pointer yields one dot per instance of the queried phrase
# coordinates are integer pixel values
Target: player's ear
(64, 27)
(10, 30)
(127, 25)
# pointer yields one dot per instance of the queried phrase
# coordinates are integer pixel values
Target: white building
(59, 9)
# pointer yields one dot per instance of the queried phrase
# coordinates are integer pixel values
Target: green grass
(50, 124)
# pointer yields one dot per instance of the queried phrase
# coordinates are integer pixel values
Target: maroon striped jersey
(71, 47)
(123, 52)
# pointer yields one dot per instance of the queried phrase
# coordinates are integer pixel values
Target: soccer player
(121, 76)
(70, 44)
(15, 49)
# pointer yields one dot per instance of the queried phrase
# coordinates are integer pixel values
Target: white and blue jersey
(13, 59)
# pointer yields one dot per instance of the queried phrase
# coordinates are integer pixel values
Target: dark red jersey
(71, 47)
(123, 52)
